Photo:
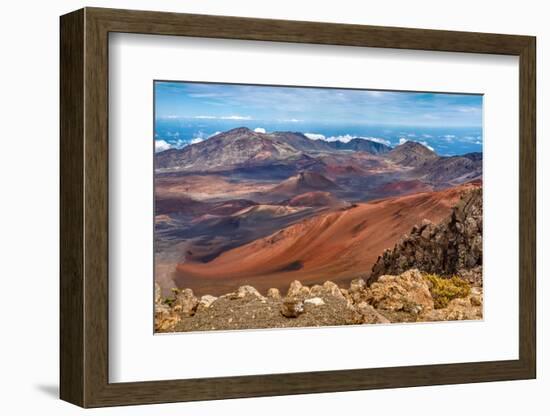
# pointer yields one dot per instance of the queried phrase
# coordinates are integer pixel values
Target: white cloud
(377, 140)
(291, 120)
(162, 145)
(468, 109)
(346, 138)
(424, 143)
(259, 130)
(236, 118)
(448, 137)
(209, 117)
(203, 95)
(374, 93)
(315, 136)
(471, 139)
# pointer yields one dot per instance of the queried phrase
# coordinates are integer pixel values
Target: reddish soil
(404, 187)
(303, 182)
(338, 246)
(315, 199)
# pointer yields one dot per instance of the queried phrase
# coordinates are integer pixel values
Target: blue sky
(201, 101)
(188, 113)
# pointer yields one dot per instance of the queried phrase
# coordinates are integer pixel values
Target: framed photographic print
(255, 207)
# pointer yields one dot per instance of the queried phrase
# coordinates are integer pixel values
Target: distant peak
(409, 144)
(239, 130)
(474, 156)
(412, 154)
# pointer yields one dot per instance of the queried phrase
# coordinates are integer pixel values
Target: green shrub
(444, 290)
(169, 301)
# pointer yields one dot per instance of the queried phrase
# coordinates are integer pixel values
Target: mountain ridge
(361, 144)
(241, 146)
(359, 163)
(411, 154)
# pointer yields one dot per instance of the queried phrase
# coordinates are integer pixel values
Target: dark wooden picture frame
(84, 207)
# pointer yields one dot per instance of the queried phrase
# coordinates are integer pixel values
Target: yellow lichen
(444, 290)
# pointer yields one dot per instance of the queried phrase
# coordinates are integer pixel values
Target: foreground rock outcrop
(452, 247)
(406, 297)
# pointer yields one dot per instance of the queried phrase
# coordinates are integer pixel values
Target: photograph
(238, 194)
(283, 206)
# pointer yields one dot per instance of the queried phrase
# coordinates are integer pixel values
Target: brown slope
(411, 154)
(452, 170)
(226, 150)
(402, 187)
(316, 199)
(337, 246)
(181, 203)
(303, 182)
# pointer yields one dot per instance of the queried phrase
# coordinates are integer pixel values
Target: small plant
(169, 301)
(444, 290)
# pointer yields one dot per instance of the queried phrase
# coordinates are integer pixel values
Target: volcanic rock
(185, 302)
(453, 247)
(371, 315)
(297, 290)
(206, 301)
(273, 293)
(315, 301)
(292, 308)
(408, 292)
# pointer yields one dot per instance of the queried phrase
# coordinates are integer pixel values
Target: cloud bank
(162, 145)
(205, 117)
(345, 138)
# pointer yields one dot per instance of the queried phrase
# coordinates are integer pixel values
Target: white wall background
(29, 209)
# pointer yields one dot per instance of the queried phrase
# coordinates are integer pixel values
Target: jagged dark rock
(452, 247)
